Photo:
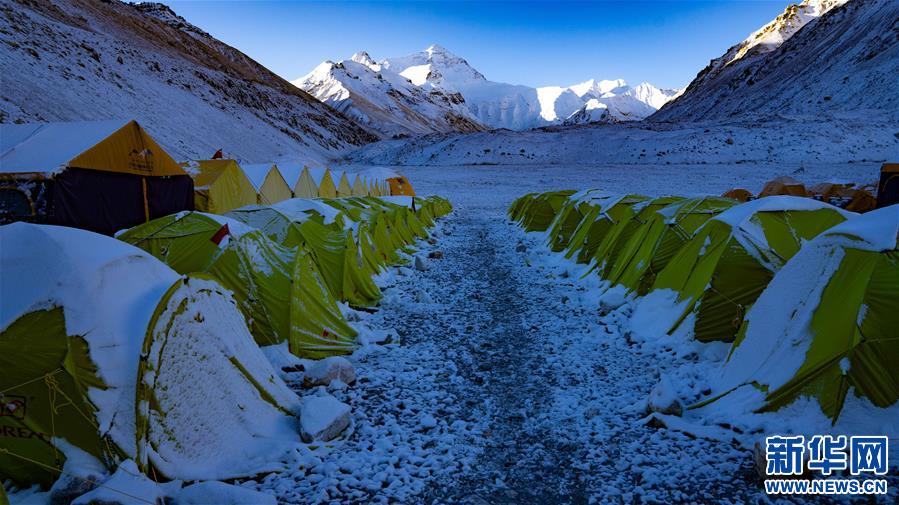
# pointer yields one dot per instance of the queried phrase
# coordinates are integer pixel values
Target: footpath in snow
(509, 385)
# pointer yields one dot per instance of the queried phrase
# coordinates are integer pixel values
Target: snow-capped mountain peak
(444, 87)
(363, 58)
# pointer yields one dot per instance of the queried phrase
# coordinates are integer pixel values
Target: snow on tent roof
(119, 145)
(297, 207)
(48, 147)
(318, 174)
(109, 291)
(737, 216)
(257, 172)
(291, 171)
(821, 296)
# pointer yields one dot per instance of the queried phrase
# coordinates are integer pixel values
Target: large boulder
(325, 371)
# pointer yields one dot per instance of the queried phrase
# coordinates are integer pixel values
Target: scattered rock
(729, 141)
(323, 372)
(420, 264)
(427, 422)
(323, 418)
(521, 248)
(436, 255)
(432, 241)
(663, 399)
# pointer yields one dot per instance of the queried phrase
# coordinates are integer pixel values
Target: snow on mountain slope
(385, 101)
(413, 83)
(88, 60)
(821, 58)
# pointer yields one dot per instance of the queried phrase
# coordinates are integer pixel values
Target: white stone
(323, 418)
(324, 371)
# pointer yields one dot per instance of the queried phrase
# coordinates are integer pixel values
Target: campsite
(441, 279)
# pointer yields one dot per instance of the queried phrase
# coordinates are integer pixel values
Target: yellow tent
(220, 186)
(323, 181)
(343, 185)
(269, 183)
(97, 175)
(359, 187)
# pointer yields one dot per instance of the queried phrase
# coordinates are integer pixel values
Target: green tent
(279, 289)
(662, 232)
(598, 232)
(566, 222)
(323, 231)
(106, 352)
(727, 263)
(625, 217)
(827, 323)
(539, 213)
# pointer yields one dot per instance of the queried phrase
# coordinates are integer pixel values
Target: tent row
(105, 176)
(844, 194)
(713, 255)
(147, 347)
(291, 263)
(723, 266)
(223, 184)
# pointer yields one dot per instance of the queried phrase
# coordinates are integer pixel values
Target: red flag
(218, 155)
(220, 235)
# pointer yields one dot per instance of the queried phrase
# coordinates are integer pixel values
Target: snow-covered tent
(107, 354)
(270, 185)
(597, 231)
(662, 232)
(537, 212)
(220, 185)
(97, 175)
(723, 268)
(326, 234)
(279, 289)
(826, 325)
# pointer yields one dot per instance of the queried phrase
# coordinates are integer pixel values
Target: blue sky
(532, 43)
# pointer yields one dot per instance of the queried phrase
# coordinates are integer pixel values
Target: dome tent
(727, 263)
(663, 232)
(102, 352)
(323, 231)
(825, 326)
(279, 289)
(783, 185)
(630, 218)
(539, 211)
(599, 224)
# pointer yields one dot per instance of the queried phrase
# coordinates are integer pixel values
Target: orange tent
(400, 186)
(862, 200)
(738, 194)
(824, 191)
(784, 185)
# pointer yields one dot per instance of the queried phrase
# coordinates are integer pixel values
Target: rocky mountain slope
(384, 101)
(358, 88)
(65, 60)
(821, 58)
